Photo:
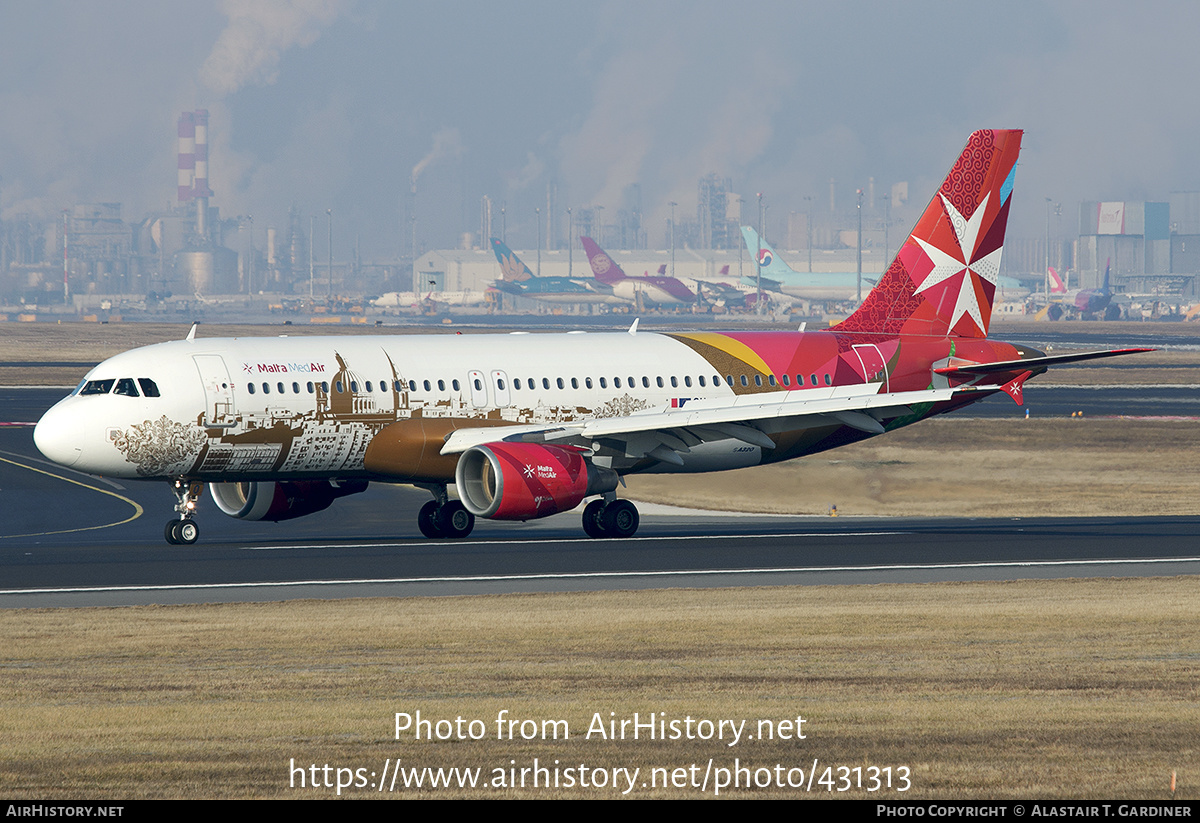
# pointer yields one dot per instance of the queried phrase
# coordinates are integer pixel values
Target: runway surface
(72, 539)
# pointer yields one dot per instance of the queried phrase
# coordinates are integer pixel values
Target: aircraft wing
(666, 432)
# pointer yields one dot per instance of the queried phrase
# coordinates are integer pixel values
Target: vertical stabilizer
(772, 265)
(943, 280)
(514, 270)
(604, 267)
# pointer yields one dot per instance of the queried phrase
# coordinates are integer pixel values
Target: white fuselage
(306, 407)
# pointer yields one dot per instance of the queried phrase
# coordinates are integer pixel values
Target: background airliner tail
(604, 267)
(772, 265)
(514, 270)
(943, 280)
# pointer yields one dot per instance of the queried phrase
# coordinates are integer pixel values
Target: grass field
(1051, 689)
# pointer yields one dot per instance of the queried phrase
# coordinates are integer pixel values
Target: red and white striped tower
(187, 155)
(200, 187)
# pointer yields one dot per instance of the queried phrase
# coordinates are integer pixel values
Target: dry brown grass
(1072, 689)
(955, 466)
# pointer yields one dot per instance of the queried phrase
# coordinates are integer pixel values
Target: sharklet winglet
(633, 328)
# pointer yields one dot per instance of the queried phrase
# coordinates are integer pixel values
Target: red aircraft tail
(943, 280)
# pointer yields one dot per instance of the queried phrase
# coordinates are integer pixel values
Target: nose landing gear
(185, 531)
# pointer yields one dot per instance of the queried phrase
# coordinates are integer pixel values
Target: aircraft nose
(57, 437)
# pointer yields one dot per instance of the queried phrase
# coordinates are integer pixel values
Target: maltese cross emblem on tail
(962, 265)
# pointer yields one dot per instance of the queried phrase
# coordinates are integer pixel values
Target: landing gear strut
(185, 531)
(443, 517)
(615, 518)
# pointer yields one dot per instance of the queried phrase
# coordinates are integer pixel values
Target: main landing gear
(185, 531)
(444, 518)
(615, 518)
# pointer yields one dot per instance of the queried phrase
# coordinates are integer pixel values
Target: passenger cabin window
(454, 383)
(295, 388)
(587, 381)
(604, 382)
(280, 387)
(427, 386)
(441, 385)
(250, 388)
(266, 388)
(701, 381)
(616, 382)
(149, 387)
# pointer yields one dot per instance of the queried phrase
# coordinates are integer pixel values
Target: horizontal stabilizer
(1032, 363)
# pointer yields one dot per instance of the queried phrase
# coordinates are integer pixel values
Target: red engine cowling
(280, 500)
(523, 481)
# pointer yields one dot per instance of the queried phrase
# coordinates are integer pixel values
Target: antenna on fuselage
(633, 328)
(191, 335)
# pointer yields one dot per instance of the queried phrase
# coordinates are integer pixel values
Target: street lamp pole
(570, 242)
(672, 204)
(859, 207)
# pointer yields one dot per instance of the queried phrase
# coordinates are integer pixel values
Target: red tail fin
(944, 277)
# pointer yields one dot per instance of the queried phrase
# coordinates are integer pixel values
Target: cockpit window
(98, 387)
(126, 387)
(79, 388)
(149, 387)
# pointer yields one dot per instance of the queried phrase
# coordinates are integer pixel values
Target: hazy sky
(337, 104)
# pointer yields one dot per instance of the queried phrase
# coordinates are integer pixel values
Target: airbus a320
(527, 426)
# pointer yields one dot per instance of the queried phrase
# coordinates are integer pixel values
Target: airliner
(528, 425)
(520, 281)
(779, 276)
(655, 289)
(1083, 301)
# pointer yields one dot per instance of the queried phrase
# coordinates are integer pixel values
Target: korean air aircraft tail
(772, 264)
(943, 280)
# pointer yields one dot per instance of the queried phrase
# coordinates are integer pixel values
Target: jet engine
(523, 481)
(280, 500)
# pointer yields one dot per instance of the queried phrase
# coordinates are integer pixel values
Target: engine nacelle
(280, 500)
(523, 481)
